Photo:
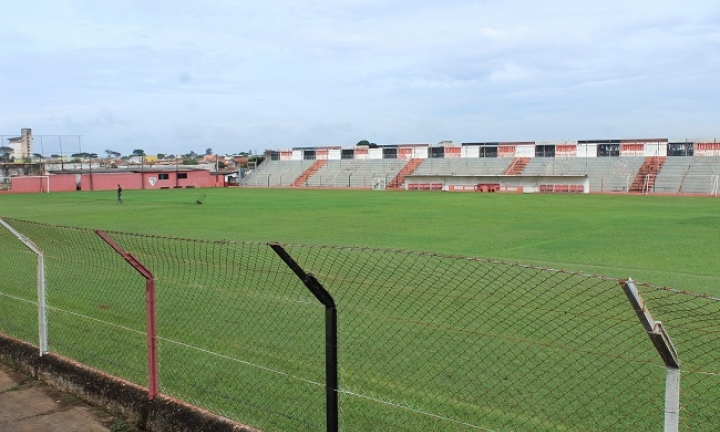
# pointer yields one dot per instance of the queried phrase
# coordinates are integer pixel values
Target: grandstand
(609, 166)
(689, 175)
(463, 166)
(278, 174)
(356, 173)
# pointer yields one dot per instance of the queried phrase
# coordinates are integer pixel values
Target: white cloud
(308, 72)
(509, 72)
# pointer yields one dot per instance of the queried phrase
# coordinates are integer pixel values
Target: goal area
(25, 184)
(379, 184)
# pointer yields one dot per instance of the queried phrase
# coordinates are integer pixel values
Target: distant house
(147, 159)
(210, 159)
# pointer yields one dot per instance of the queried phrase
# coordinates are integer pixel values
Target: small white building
(21, 146)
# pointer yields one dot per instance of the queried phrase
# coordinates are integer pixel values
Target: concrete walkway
(27, 404)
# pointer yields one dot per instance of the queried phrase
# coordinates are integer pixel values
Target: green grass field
(460, 338)
(665, 241)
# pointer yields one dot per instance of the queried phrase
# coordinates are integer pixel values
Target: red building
(110, 179)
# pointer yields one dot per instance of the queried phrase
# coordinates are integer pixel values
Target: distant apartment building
(21, 146)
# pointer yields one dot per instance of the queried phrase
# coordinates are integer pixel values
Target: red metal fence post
(150, 311)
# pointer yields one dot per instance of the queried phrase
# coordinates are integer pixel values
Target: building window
(163, 176)
(182, 175)
(544, 151)
(489, 150)
(389, 153)
(436, 152)
(608, 149)
(680, 149)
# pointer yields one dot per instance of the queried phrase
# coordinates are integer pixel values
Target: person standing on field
(119, 193)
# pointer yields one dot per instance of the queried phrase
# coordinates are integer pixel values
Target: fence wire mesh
(95, 301)
(18, 289)
(425, 341)
(238, 333)
(446, 343)
(693, 323)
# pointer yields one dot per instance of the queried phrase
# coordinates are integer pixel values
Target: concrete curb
(163, 414)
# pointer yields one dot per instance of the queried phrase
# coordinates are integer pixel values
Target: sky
(174, 76)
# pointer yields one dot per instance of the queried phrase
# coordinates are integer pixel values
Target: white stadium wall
(586, 150)
(582, 149)
(525, 150)
(335, 154)
(470, 151)
(375, 153)
(505, 183)
(420, 152)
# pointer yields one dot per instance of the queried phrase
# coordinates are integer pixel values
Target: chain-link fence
(423, 341)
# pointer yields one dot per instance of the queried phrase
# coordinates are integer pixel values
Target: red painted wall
(110, 181)
(63, 183)
(21, 184)
(105, 181)
(147, 180)
(58, 183)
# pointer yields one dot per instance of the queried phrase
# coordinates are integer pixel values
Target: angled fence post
(149, 308)
(331, 361)
(659, 337)
(42, 306)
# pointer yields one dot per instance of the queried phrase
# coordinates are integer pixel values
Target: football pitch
(414, 327)
(661, 240)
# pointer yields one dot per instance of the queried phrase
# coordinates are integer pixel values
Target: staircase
(645, 178)
(408, 169)
(302, 178)
(517, 166)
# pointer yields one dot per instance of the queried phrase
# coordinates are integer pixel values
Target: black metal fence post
(331, 359)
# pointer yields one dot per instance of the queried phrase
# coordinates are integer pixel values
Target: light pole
(176, 172)
(91, 156)
(142, 170)
(62, 164)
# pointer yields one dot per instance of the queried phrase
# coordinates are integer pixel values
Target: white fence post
(663, 344)
(42, 307)
(672, 400)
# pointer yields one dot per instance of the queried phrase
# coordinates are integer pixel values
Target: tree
(138, 152)
(5, 153)
(112, 154)
(257, 159)
(161, 156)
(208, 151)
(78, 157)
(366, 143)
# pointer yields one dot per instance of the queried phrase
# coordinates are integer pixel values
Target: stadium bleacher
(610, 174)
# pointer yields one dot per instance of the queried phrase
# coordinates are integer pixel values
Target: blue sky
(175, 76)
